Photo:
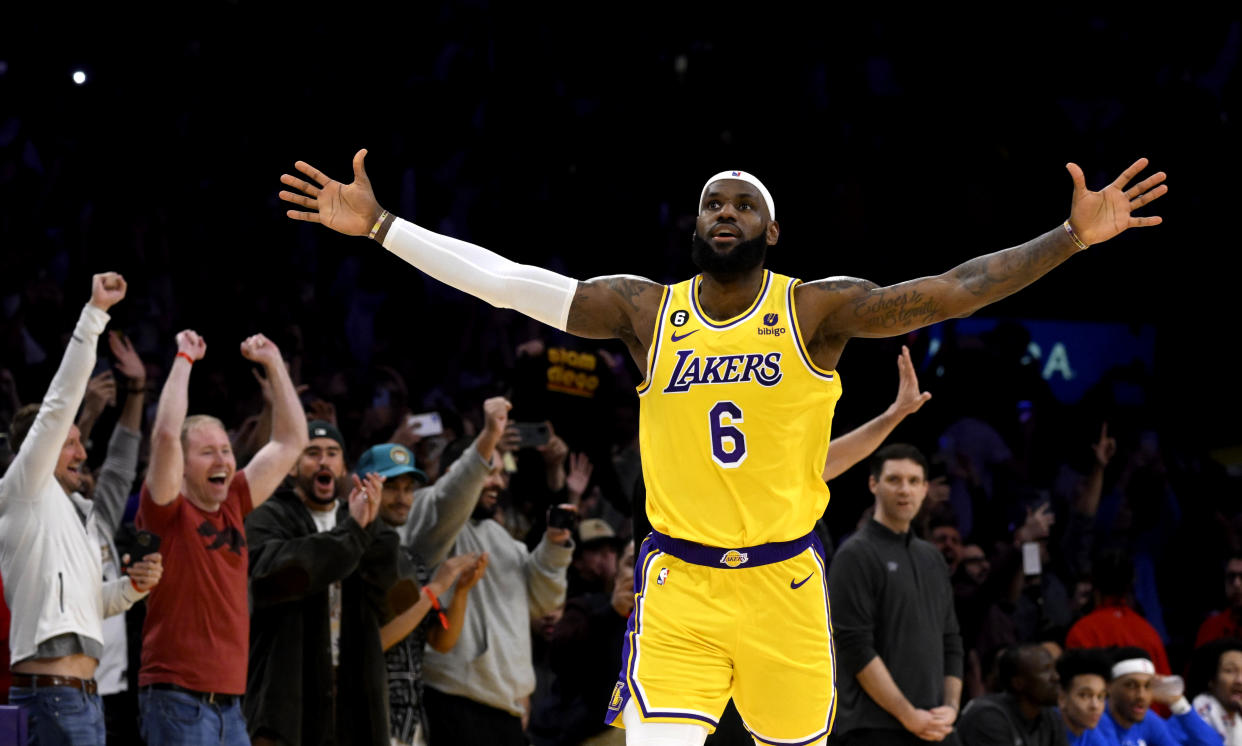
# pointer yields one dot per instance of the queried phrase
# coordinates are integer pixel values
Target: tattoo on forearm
(1003, 272)
(890, 309)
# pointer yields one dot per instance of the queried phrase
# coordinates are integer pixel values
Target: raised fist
(191, 344)
(107, 290)
(260, 349)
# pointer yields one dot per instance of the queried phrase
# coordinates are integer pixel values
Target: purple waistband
(701, 554)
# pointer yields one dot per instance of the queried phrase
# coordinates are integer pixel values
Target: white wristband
(1180, 707)
(541, 294)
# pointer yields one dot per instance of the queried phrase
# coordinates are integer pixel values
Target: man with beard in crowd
(1023, 713)
(303, 545)
(739, 392)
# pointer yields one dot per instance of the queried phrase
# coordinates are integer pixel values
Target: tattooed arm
(841, 307)
(620, 306)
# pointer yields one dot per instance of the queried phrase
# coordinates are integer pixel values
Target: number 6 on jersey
(728, 443)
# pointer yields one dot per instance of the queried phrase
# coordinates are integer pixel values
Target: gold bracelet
(1070, 230)
(384, 215)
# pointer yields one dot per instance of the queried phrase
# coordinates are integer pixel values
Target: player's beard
(744, 257)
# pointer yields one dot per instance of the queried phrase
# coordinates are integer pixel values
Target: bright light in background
(79, 77)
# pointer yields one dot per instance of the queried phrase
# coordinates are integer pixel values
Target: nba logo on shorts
(769, 319)
(614, 702)
(734, 558)
(663, 576)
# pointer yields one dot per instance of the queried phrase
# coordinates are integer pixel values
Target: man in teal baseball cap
(395, 463)
(408, 631)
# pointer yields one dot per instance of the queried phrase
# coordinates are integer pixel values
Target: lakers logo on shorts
(614, 702)
(734, 558)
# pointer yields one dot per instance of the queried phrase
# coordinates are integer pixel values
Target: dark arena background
(577, 137)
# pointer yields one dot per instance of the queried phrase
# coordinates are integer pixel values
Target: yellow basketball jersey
(734, 421)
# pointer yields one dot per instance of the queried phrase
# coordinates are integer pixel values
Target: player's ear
(774, 232)
(872, 483)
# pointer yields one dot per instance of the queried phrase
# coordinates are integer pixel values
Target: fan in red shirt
(197, 633)
(1114, 623)
(1227, 623)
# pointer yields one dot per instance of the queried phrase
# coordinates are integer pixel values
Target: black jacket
(289, 686)
(891, 598)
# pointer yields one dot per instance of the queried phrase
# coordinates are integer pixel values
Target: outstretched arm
(289, 434)
(840, 308)
(619, 306)
(857, 444)
(165, 469)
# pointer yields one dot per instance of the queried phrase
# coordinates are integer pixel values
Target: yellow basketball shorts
(753, 624)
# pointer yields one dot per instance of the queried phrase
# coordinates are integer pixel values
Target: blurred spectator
(1023, 713)
(1133, 685)
(6, 677)
(1114, 623)
(896, 631)
(105, 505)
(475, 692)
(946, 537)
(594, 566)
(585, 646)
(196, 637)
(1216, 674)
(57, 635)
(1227, 623)
(314, 656)
(1083, 694)
(410, 624)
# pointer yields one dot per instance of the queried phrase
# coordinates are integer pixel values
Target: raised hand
(579, 477)
(100, 393)
(127, 360)
(345, 208)
(364, 499)
(908, 400)
(107, 290)
(1105, 448)
(191, 344)
(1098, 216)
(260, 349)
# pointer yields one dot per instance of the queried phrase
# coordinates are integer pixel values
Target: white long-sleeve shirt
(52, 570)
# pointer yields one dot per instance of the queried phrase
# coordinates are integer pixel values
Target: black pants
(458, 721)
(121, 717)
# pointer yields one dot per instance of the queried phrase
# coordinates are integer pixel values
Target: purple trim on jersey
(629, 658)
(655, 342)
(701, 554)
(798, 335)
(694, 302)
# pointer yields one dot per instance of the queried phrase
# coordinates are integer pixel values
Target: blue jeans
(171, 718)
(60, 715)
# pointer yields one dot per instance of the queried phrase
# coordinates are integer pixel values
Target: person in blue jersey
(1083, 694)
(734, 423)
(1128, 721)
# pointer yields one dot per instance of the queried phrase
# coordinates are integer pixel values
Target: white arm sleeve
(541, 294)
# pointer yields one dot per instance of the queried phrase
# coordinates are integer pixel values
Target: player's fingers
(308, 217)
(299, 199)
(360, 171)
(315, 174)
(1143, 199)
(299, 184)
(1145, 184)
(1144, 222)
(1128, 175)
(1080, 181)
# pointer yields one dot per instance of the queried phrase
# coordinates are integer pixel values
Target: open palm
(1098, 216)
(346, 208)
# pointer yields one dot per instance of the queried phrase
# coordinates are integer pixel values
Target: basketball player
(741, 378)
